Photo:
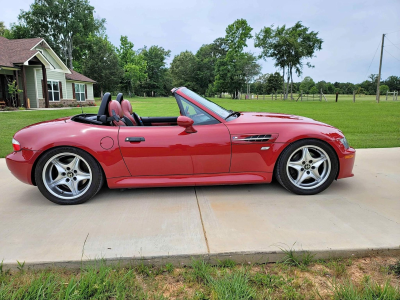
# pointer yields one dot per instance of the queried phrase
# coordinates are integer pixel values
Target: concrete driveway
(247, 223)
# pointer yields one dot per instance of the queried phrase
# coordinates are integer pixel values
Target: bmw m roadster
(69, 159)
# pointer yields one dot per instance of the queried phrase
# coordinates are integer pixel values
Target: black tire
(91, 189)
(282, 172)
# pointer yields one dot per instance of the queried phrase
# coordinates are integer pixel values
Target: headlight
(344, 142)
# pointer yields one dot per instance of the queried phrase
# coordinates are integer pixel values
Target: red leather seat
(127, 111)
(115, 110)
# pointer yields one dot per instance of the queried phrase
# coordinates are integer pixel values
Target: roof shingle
(78, 77)
(16, 51)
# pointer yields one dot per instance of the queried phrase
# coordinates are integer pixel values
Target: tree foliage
(133, 64)
(158, 81)
(64, 24)
(230, 72)
(289, 47)
(102, 65)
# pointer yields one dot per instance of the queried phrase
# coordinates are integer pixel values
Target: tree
(183, 70)
(3, 28)
(133, 64)
(250, 69)
(101, 64)
(207, 57)
(307, 84)
(288, 47)
(64, 24)
(274, 83)
(393, 82)
(229, 71)
(314, 90)
(159, 81)
(383, 89)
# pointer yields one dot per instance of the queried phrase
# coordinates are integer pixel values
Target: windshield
(220, 111)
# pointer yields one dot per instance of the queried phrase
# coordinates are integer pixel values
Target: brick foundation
(65, 103)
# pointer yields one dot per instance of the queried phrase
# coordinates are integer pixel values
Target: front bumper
(21, 163)
(346, 163)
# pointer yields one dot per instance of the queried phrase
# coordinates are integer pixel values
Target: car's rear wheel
(307, 167)
(68, 175)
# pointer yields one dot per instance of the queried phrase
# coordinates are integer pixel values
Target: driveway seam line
(202, 223)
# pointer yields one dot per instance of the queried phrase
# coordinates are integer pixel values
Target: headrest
(120, 97)
(126, 107)
(103, 109)
(114, 108)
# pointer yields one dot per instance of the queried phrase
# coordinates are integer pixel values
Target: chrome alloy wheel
(67, 176)
(308, 167)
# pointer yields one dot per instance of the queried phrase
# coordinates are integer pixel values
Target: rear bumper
(20, 164)
(346, 162)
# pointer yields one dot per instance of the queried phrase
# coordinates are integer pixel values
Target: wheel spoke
(73, 186)
(317, 162)
(315, 174)
(306, 155)
(74, 164)
(296, 165)
(59, 166)
(58, 181)
(82, 176)
(301, 176)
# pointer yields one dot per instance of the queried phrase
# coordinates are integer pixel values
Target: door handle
(135, 139)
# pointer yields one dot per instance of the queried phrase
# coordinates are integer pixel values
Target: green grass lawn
(365, 123)
(294, 278)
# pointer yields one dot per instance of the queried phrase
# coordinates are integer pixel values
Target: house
(31, 63)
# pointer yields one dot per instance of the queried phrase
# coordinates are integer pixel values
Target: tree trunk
(283, 88)
(101, 93)
(291, 84)
(70, 53)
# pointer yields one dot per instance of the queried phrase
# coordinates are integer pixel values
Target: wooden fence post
(337, 96)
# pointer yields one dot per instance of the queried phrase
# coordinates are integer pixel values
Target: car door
(169, 150)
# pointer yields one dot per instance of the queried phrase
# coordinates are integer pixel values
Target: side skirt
(189, 180)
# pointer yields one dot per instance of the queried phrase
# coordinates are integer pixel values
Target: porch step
(2, 104)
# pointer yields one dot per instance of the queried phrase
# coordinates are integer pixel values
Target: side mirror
(187, 123)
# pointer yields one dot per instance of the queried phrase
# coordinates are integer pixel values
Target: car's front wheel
(307, 167)
(68, 175)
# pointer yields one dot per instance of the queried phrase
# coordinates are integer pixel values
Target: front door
(169, 150)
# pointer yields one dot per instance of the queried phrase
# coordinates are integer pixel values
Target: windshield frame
(207, 105)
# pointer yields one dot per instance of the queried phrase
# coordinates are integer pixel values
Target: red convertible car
(69, 159)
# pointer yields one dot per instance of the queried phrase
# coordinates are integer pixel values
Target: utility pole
(380, 68)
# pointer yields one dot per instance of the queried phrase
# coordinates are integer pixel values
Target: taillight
(16, 145)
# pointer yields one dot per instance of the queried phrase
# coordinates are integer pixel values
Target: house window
(54, 90)
(80, 91)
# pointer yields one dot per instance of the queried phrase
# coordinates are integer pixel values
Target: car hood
(266, 117)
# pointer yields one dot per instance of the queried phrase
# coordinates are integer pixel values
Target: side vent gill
(255, 138)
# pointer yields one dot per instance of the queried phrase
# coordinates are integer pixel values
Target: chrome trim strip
(252, 139)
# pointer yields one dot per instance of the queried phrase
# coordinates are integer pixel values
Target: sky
(351, 29)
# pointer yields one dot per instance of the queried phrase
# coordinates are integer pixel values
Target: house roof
(19, 51)
(78, 77)
(16, 51)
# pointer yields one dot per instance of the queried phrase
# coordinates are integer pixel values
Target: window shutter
(85, 92)
(43, 89)
(61, 94)
(73, 91)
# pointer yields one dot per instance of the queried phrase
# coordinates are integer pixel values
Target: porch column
(17, 82)
(3, 87)
(46, 90)
(25, 95)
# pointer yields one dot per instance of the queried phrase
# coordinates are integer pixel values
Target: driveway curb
(214, 259)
